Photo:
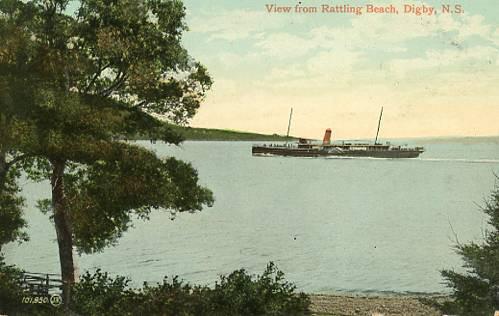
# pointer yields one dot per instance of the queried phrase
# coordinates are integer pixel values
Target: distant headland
(212, 134)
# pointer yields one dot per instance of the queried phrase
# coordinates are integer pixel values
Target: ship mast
(289, 125)
(379, 124)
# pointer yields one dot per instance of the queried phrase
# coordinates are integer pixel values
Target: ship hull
(313, 152)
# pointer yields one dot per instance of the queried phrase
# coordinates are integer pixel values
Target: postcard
(167, 157)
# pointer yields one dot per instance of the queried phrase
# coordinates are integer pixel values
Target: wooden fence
(41, 283)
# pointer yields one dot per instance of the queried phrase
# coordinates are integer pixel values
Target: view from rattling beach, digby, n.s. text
(415, 9)
(252, 157)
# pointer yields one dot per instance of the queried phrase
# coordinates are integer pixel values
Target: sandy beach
(386, 305)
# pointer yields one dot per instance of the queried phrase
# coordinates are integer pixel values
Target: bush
(10, 290)
(236, 294)
(11, 295)
(269, 294)
(476, 292)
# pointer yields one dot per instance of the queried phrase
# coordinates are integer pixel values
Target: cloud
(495, 37)
(473, 57)
(474, 25)
(290, 72)
(434, 75)
(328, 53)
(285, 45)
(238, 24)
(230, 60)
(374, 31)
(387, 33)
(318, 72)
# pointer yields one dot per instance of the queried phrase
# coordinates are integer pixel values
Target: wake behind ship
(306, 148)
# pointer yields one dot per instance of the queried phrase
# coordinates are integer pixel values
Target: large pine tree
(71, 86)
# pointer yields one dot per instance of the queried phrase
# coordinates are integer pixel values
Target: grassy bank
(209, 134)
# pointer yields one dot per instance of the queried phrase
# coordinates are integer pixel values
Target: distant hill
(210, 134)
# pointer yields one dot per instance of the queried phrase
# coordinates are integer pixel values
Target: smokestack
(327, 137)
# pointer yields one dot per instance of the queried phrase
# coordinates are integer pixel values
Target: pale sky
(434, 75)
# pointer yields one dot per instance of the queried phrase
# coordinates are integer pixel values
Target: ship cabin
(348, 146)
(307, 144)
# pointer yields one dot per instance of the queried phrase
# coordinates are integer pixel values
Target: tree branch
(96, 75)
(118, 81)
(139, 105)
(17, 159)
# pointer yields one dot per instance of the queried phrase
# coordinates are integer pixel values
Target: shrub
(236, 294)
(11, 295)
(268, 294)
(10, 290)
(476, 292)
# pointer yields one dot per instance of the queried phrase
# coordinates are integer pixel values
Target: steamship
(307, 148)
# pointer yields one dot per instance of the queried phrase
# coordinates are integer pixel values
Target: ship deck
(375, 151)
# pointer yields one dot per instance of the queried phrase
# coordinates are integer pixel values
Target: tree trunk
(3, 169)
(3, 176)
(3, 151)
(62, 222)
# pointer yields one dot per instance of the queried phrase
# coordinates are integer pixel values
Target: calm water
(330, 224)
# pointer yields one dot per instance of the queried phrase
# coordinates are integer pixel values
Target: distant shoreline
(213, 134)
(209, 134)
(412, 141)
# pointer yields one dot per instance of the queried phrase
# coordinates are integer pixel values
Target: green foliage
(11, 295)
(236, 294)
(10, 290)
(72, 86)
(269, 294)
(476, 292)
(110, 192)
(190, 133)
(11, 220)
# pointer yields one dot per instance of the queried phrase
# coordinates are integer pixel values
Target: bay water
(332, 225)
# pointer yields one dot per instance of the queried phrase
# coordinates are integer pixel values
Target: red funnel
(327, 137)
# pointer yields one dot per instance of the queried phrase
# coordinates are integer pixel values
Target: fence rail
(41, 283)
